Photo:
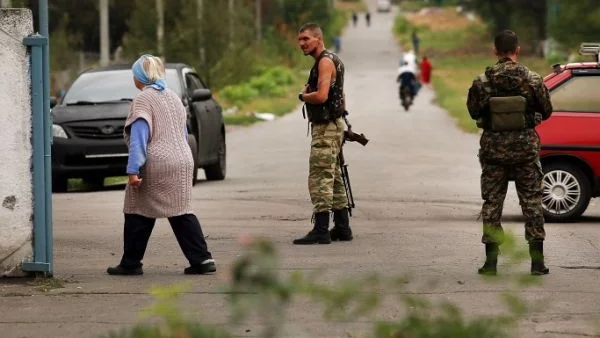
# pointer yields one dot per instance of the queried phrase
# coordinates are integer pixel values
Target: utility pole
(160, 28)
(201, 50)
(231, 18)
(199, 25)
(258, 20)
(104, 34)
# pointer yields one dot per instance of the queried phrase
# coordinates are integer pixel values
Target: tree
(574, 22)
(526, 17)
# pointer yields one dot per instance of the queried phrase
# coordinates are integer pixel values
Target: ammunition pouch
(321, 113)
(507, 113)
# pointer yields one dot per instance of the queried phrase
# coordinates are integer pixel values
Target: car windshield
(111, 86)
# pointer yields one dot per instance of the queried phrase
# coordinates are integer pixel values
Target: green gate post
(42, 138)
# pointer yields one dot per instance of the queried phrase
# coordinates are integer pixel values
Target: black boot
(119, 270)
(320, 232)
(536, 251)
(341, 229)
(491, 260)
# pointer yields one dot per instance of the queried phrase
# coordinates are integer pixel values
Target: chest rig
(333, 108)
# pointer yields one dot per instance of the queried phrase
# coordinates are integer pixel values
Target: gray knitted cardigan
(167, 175)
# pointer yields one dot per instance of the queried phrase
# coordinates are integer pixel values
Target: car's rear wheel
(218, 170)
(566, 192)
(194, 147)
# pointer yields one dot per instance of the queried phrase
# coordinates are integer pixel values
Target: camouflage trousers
(528, 183)
(324, 175)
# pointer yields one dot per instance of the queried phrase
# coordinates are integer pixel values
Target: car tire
(218, 170)
(566, 192)
(59, 183)
(194, 148)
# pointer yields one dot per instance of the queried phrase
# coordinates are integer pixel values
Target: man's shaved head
(313, 28)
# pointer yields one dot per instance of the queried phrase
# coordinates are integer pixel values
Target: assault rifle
(351, 136)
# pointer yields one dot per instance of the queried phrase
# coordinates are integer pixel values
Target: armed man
(325, 106)
(508, 101)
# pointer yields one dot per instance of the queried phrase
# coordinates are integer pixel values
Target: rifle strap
(304, 117)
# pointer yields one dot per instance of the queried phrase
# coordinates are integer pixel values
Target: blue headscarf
(140, 74)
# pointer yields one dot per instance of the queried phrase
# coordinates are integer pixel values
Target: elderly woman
(160, 170)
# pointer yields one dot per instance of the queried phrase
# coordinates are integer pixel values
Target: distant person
(325, 106)
(160, 169)
(508, 101)
(368, 18)
(415, 41)
(337, 44)
(354, 18)
(425, 70)
(407, 82)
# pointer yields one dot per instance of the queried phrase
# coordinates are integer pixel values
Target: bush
(239, 93)
(258, 293)
(271, 83)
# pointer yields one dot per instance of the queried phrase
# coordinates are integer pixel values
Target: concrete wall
(16, 226)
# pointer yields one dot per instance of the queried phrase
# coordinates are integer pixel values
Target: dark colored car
(88, 125)
(571, 139)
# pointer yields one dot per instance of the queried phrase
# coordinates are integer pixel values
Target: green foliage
(527, 18)
(259, 293)
(240, 120)
(141, 35)
(574, 22)
(402, 25)
(64, 45)
(450, 323)
(271, 83)
(223, 48)
(172, 324)
(258, 288)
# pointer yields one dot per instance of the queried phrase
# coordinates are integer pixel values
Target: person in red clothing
(425, 70)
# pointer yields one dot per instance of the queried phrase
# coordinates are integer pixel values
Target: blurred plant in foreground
(258, 291)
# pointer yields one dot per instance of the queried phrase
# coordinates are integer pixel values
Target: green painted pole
(43, 15)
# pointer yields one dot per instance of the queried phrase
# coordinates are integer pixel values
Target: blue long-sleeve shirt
(138, 145)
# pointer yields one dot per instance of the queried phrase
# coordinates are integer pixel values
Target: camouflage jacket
(508, 78)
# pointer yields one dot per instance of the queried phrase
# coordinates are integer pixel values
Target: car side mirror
(201, 94)
(53, 102)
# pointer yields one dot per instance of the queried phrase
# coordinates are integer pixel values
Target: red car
(571, 139)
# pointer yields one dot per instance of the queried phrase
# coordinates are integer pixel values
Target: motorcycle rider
(408, 82)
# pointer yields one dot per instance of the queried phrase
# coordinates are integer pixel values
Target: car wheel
(217, 171)
(194, 147)
(566, 192)
(59, 183)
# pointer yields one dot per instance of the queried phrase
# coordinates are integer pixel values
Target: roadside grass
(352, 6)
(277, 105)
(78, 184)
(410, 5)
(459, 49)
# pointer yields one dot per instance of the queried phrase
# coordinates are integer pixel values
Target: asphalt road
(416, 186)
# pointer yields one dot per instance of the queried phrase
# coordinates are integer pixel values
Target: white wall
(16, 226)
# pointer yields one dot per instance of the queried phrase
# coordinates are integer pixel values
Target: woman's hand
(135, 181)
